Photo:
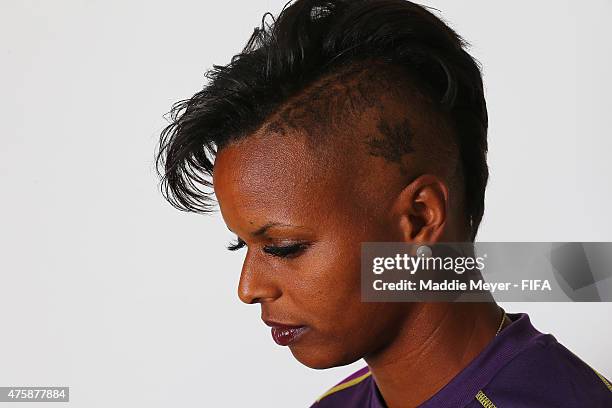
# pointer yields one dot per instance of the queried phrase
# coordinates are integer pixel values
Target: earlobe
(421, 209)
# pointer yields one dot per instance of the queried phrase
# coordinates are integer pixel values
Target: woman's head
(343, 122)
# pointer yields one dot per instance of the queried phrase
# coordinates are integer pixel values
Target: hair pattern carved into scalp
(327, 53)
(397, 140)
(336, 99)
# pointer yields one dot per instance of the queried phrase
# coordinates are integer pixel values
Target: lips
(285, 334)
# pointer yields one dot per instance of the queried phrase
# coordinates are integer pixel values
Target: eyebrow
(264, 229)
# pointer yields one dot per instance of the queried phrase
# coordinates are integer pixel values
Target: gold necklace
(502, 321)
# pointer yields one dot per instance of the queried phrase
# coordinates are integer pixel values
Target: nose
(256, 282)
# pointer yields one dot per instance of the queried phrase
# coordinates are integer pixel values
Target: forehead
(268, 174)
(268, 177)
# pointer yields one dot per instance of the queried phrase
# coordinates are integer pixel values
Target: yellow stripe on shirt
(344, 385)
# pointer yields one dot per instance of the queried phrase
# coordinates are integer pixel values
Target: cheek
(329, 284)
(327, 287)
(328, 296)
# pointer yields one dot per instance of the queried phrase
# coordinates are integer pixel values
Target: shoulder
(351, 391)
(547, 372)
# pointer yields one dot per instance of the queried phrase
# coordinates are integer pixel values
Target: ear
(421, 210)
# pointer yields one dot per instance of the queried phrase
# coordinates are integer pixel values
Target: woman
(344, 122)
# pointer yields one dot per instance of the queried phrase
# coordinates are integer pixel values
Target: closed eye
(287, 251)
(236, 245)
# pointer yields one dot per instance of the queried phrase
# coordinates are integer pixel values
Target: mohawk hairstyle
(311, 39)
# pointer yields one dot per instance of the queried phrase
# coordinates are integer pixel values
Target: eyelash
(234, 246)
(287, 251)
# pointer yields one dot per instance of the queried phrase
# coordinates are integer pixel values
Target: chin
(320, 358)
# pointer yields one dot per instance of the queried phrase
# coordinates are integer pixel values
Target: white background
(107, 289)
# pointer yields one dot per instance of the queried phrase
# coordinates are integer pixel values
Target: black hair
(307, 41)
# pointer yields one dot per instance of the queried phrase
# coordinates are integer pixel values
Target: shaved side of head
(372, 118)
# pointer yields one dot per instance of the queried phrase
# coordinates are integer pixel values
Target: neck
(436, 342)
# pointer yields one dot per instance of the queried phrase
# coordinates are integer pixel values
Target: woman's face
(303, 214)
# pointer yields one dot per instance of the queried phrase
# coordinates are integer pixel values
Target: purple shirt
(520, 367)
